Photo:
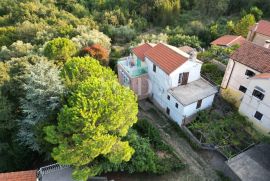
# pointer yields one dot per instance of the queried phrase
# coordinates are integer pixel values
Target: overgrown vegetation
(224, 128)
(212, 72)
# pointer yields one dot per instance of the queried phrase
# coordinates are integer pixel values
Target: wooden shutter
(185, 78)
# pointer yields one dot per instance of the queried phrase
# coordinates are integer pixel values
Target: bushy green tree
(98, 114)
(60, 49)
(17, 49)
(242, 27)
(43, 90)
(86, 37)
(182, 40)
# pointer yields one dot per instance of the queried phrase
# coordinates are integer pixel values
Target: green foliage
(97, 116)
(121, 34)
(87, 37)
(16, 49)
(43, 90)
(182, 40)
(60, 49)
(212, 72)
(212, 7)
(256, 12)
(231, 133)
(242, 27)
(221, 54)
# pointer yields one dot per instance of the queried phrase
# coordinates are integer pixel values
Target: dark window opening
(168, 97)
(242, 89)
(176, 105)
(199, 104)
(258, 115)
(154, 68)
(168, 111)
(180, 79)
(258, 94)
(249, 73)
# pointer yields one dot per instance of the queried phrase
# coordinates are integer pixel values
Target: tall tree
(242, 27)
(60, 49)
(92, 124)
(43, 90)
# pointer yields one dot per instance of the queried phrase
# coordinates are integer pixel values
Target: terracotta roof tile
(19, 176)
(263, 76)
(141, 49)
(228, 40)
(166, 58)
(253, 56)
(186, 49)
(263, 27)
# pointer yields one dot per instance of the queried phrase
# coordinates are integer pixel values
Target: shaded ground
(197, 168)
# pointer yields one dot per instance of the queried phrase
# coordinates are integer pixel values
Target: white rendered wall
(251, 104)
(237, 77)
(191, 109)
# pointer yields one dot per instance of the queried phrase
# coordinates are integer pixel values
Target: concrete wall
(260, 39)
(191, 109)
(251, 104)
(194, 69)
(234, 77)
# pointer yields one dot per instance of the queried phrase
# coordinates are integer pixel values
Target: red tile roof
(228, 40)
(140, 50)
(165, 57)
(19, 176)
(263, 76)
(253, 56)
(186, 49)
(262, 27)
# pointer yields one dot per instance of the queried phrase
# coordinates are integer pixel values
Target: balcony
(134, 68)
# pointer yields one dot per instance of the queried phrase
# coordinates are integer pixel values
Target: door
(185, 78)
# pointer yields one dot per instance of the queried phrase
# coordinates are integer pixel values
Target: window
(168, 97)
(199, 104)
(168, 111)
(258, 115)
(249, 73)
(176, 105)
(154, 68)
(242, 89)
(180, 79)
(258, 94)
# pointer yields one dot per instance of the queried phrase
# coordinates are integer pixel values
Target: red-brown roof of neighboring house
(262, 27)
(19, 176)
(228, 40)
(165, 57)
(253, 56)
(186, 49)
(263, 76)
(141, 49)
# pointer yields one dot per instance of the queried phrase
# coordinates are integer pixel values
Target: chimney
(252, 32)
(193, 56)
(267, 44)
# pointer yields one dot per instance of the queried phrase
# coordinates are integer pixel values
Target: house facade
(174, 81)
(243, 83)
(256, 102)
(260, 33)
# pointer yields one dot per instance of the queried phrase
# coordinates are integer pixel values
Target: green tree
(91, 125)
(242, 27)
(60, 49)
(182, 40)
(257, 13)
(43, 90)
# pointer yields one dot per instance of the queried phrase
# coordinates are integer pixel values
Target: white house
(175, 82)
(256, 101)
(245, 82)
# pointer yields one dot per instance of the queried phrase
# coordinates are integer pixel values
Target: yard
(223, 127)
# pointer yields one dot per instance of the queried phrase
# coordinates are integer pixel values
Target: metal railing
(50, 169)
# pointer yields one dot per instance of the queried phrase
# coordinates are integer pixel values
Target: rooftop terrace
(134, 68)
